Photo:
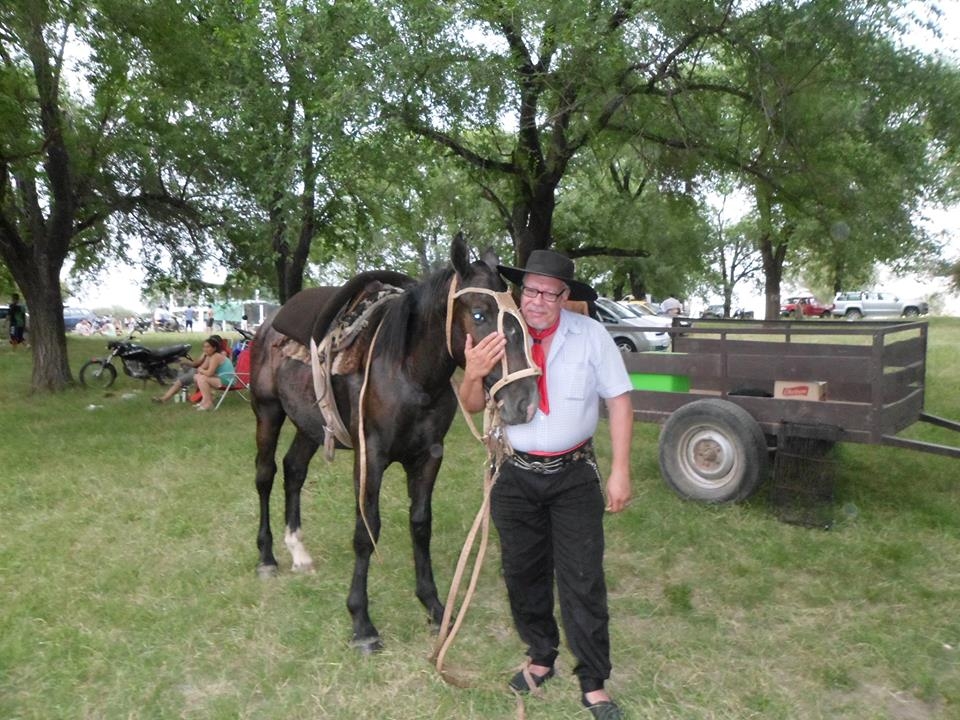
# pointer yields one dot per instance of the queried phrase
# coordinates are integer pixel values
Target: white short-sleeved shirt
(584, 366)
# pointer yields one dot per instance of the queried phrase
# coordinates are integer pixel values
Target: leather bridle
(505, 306)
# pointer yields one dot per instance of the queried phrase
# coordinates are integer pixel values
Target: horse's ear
(490, 258)
(460, 255)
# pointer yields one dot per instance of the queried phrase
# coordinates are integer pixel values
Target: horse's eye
(478, 316)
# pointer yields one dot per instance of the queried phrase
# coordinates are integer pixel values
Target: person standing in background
(188, 316)
(17, 317)
(671, 306)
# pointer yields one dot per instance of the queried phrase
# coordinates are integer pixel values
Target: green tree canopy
(299, 141)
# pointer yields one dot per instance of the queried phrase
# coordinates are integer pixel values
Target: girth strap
(321, 360)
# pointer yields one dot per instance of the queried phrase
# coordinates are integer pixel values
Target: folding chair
(241, 377)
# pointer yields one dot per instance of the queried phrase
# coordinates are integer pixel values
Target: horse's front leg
(295, 464)
(270, 417)
(421, 478)
(366, 638)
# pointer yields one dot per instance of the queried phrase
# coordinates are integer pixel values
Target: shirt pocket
(575, 375)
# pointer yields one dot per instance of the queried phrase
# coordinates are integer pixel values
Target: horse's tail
(262, 358)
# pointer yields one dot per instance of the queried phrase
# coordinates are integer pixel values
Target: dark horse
(408, 404)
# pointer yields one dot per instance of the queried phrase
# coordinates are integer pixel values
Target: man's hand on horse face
(484, 356)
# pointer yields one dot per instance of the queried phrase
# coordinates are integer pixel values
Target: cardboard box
(799, 390)
(660, 382)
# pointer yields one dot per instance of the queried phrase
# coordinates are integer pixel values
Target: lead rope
(498, 449)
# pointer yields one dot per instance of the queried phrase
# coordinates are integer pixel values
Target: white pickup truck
(862, 304)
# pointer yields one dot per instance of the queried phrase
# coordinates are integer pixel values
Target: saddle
(309, 313)
(328, 320)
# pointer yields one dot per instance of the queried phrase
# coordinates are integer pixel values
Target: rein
(493, 437)
(498, 448)
(362, 488)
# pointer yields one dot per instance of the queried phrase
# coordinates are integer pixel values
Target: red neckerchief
(540, 358)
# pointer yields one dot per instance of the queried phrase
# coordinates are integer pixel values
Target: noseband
(505, 306)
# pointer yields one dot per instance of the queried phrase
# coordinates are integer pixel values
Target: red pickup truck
(806, 305)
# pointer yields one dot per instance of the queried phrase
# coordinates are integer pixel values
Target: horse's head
(482, 305)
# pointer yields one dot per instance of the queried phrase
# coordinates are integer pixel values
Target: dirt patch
(900, 704)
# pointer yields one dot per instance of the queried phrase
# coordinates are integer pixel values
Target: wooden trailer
(726, 390)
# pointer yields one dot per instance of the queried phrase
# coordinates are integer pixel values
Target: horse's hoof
(265, 572)
(367, 646)
(435, 620)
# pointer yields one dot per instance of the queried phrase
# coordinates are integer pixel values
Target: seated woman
(189, 368)
(215, 374)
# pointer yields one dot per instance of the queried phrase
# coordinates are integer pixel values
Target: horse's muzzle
(518, 401)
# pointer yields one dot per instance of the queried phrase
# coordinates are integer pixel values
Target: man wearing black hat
(548, 504)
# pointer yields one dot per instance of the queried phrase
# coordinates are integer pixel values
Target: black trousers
(551, 526)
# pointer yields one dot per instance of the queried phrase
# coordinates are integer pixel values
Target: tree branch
(502, 208)
(457, 147)
(597, 250)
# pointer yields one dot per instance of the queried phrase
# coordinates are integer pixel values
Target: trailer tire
(713, 451)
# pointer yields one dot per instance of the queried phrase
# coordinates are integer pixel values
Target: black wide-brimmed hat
(550, 264)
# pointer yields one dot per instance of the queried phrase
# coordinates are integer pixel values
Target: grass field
(128, 590)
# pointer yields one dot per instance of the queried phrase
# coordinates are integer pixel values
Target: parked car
(630, 332)
(649, 313)
(646, 313)
(73, 315)
(807, 305)
(715, 312)
(653, 307)
(871, 304)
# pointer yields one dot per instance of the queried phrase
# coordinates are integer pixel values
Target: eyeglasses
(529, 292)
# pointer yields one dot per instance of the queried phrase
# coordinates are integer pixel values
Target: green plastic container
(660, 382)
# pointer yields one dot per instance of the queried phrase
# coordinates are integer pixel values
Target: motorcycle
(168, 324)
(138, 362)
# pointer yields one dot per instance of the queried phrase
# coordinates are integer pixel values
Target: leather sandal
(519, 681)
(604, 710)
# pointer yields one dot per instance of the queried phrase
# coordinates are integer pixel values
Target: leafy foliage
(294, 143)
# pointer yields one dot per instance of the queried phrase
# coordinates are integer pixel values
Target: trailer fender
(713, 451)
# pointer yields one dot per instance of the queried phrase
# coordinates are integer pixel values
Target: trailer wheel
(713, 451)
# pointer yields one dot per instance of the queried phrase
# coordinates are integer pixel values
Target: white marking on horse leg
(302, 562)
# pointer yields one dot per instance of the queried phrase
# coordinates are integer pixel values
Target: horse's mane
(406, 320)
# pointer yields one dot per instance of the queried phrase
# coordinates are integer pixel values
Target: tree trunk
(772, 254)
(533, 218)
(48, 342)
(37, 274)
